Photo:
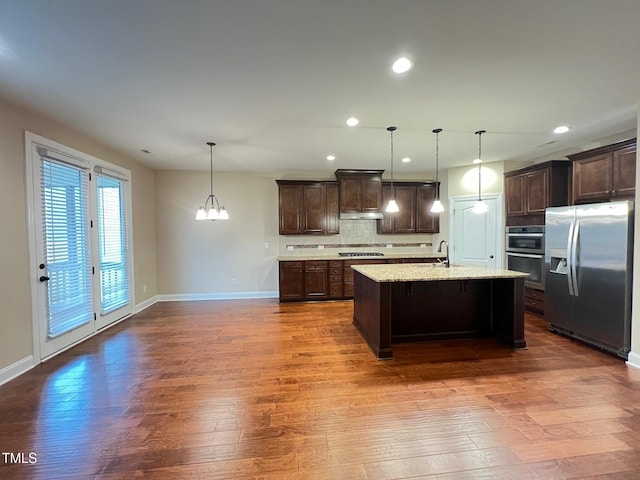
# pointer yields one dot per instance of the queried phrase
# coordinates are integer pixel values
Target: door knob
(490, 256)
(43, 278)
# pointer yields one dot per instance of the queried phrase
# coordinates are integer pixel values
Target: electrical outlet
(234, 281)
(266, 245)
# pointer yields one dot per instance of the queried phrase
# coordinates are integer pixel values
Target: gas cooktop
(361, 254)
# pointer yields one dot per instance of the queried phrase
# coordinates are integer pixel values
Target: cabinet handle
(613, 192)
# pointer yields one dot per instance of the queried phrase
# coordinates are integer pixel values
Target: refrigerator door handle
(574, 257)
(569, 259)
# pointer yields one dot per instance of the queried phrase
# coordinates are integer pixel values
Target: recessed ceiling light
(561, 129)
(352, 121)
(406, 160)
(331, 157)
(477, 161)
(401, 65)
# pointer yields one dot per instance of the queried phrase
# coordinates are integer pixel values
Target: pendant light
(392, 206)
(480, 206)
(213, 211)
(437, 206)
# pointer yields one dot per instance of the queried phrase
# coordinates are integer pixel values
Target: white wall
(201, 259)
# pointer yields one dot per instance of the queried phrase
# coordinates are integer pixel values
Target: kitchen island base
(413, 311)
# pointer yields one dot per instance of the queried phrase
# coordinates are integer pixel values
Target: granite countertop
(425, 272)
(335, 256)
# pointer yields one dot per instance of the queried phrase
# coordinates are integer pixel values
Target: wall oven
(525, 253)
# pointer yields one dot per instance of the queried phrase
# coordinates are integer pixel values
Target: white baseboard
(634, 360)
(12, 371)
(146, 304)
(186, 297)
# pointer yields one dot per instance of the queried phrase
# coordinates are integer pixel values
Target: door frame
(500, 223)
(33, 196)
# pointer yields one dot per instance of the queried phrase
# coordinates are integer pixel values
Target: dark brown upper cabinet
(529, 191)
(605, 173)
(307, 207)
(414, 201)
(360, 193)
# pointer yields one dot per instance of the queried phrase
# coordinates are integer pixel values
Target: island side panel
(439, 310)
(508, 311)
(371, 314)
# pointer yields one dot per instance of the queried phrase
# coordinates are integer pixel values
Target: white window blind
(64, 190)
(112, 234)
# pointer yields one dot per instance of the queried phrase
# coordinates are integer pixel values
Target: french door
(79, 240)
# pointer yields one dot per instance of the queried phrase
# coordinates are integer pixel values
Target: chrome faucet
(447, 263)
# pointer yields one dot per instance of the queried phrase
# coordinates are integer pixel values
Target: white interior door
(476, 237)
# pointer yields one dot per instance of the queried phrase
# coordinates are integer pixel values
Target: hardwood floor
(257, 390)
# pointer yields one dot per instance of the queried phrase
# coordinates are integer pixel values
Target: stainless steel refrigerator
(588, 272)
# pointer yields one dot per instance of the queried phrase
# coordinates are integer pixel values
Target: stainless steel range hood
(361, 216)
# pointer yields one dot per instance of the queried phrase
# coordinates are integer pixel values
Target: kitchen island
(417, 302)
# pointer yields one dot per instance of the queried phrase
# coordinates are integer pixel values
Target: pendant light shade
(211, 210)
(480, 206)
(392, 206)
(437, 206)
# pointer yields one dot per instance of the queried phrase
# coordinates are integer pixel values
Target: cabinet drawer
(316, 264)
(335, 279)
(348, 289)
(534, 294)
(534, 305)
(335, 271)
(335, 290)
(291, 265)
(336, 264)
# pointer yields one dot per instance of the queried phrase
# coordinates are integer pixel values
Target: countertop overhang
(427, 272)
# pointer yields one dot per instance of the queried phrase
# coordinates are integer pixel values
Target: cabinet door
(333, 209)
(404, 221)
(624, 172)
(291, 281)
(290, 209)
(350, 195)
(371, 194)
(314, 208)
(514, 195)
(386, 224)
(592, 178)
(537, 191)
(316, 282)
(426, 222)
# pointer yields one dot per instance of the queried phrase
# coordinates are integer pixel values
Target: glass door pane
(66, 268)
(115, 289)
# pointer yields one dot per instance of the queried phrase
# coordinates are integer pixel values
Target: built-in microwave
(528, 239)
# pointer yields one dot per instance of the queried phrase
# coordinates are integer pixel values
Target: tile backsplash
(355, 235)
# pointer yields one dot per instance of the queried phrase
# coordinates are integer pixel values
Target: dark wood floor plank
(256, 390)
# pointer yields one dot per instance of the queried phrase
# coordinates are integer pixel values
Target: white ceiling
(273, 81)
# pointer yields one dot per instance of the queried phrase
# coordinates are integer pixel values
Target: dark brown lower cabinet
(316, 279)
(291, 281)
(534, 300)
(310, 280)
(336, 279)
